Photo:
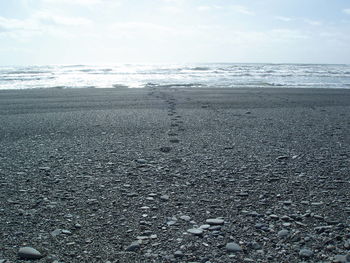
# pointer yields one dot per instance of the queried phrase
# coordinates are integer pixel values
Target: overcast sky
(174, 31)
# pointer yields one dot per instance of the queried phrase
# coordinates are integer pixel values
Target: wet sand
(85, 173)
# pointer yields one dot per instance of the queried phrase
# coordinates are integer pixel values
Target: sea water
(176, 75)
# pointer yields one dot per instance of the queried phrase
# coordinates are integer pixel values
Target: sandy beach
(175, 175)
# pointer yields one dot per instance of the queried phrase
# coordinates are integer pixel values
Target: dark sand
(110, 166)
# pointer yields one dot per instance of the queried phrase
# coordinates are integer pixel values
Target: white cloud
(313, 22)
(133, 30)
(283, 34)
(208, 8)
(20, 30)
(41, 23)
(139, 26)
(8, 24)
(242, 9)
(74, 2)
(46, 17)
(204, 8)
(283, 18)
(347, 11)
(172, 9)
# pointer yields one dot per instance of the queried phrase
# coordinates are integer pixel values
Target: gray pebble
(164, 197)
(214, 221)
(195, 231)
(56, 232)
(186, 218)
(29, 253)
(305, 253)
(283, 233)
(233, 247)
(134, 246)
(342, 258)
(178, 254)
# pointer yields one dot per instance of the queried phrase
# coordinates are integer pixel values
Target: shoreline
(180, 87)
(122, 175)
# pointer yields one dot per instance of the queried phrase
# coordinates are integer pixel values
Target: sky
(35, 32)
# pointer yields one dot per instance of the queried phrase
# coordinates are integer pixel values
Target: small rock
(233, 247)
(165, 149)
(305, 253)
(164, 197)
(214, 221)
(186, 218)
(178, 254)
(29, 253)
(254, 245)
(283, 233)
(44, 168)
(195, 231)
(56, 232)
(134, 246)
(342, 258)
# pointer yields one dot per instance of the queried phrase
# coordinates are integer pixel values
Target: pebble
(233, 247)
(186, 218)
(56, 232)
(342, 258)
(178, 254)
(254, 245)
(214, 221)
(165, 149)
(195, 231)
(305, 253)
(29, 253)
(283, 233)
(134, 246)
(164, 197)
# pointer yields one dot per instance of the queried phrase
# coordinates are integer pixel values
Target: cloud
(75, 2)
(41, 23)
(136, 30)
(208, 8)
(18, 29)
(283, 18)
(138, 25)
(46, 17)
(204, 8)
(172, 9)
(313, 22)
(242, 9)
(346, 11)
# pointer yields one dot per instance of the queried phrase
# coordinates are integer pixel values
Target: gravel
(98, 175)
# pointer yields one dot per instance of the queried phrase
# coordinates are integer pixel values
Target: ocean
(176, 75)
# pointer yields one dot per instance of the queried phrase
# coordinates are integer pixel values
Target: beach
(175, 174)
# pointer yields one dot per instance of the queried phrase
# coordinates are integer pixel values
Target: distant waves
(174, 75)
